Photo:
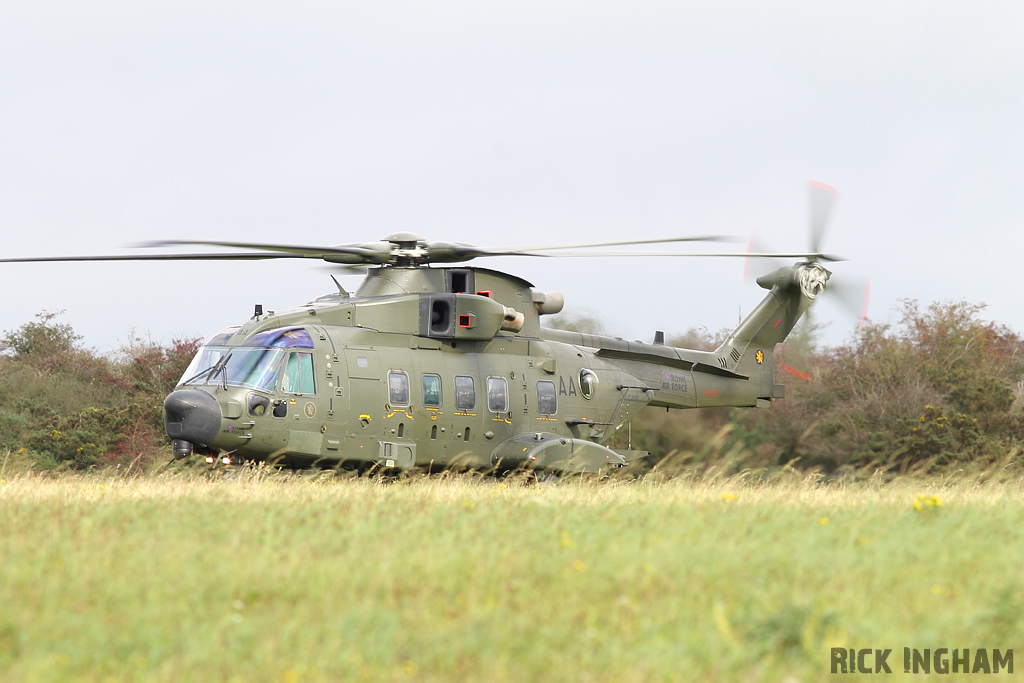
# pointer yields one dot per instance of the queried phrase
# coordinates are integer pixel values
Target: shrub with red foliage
(66, 406)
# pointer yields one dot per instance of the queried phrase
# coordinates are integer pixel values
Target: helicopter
(432, 363)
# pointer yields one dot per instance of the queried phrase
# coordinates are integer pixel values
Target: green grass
(300, 578)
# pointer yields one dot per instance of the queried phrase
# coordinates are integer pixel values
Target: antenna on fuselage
(340, 288)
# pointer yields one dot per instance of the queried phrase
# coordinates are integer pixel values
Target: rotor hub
(407, 248)
(812, 278)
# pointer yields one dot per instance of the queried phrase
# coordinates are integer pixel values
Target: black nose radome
(192, 415)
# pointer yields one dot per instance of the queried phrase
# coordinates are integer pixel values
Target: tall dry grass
(284, 576)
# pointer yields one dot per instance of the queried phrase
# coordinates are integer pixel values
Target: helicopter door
(366, 399)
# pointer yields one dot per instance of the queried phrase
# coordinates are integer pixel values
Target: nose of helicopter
(191, 415)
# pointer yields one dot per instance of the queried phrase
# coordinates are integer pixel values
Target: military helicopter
(434, 364)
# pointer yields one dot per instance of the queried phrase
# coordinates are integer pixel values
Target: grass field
(303, 578)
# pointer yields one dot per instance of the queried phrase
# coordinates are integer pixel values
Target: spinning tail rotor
(848, 293)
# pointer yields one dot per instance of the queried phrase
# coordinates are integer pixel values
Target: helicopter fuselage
(449, 367)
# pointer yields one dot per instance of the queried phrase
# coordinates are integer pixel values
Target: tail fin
(748, 350)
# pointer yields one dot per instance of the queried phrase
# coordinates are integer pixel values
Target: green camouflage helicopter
(449, 366)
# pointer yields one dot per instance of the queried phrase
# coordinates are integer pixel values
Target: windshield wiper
(216, 369)
(199, 374)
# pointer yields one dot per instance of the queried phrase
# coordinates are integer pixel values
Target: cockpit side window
(298, 374)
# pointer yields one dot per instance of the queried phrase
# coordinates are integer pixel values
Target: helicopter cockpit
(257, 363)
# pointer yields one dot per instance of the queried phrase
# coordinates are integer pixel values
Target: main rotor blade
(155, 257)
(510, 251)
(310, 251)
(822, 197)
(738, 254)
(457, 252)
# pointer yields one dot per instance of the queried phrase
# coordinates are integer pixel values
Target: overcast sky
(501, 123)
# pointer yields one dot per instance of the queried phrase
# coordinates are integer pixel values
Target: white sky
(505, 123)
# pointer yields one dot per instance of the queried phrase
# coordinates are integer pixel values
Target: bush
(40, 340)
(67, 407)
(937, 387)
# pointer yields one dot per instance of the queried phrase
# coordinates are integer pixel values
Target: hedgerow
(64, 406)
(939, 389)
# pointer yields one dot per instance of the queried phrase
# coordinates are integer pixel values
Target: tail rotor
(850, 293)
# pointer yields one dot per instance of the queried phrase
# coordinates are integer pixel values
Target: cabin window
(431, 390)
(547, 399)
(588, 383)
(398, 388)
(465, 393)
(298, 374)
(497, 395)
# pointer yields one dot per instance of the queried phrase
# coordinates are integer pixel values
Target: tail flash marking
(793, 372)
(778, 323)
